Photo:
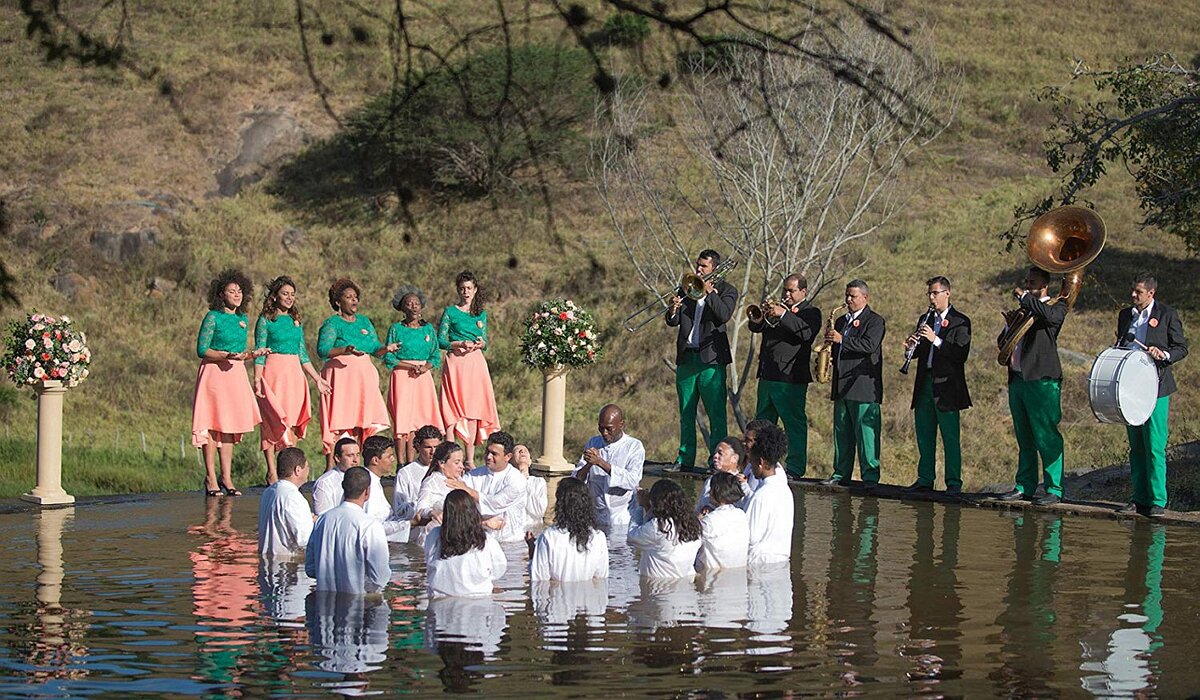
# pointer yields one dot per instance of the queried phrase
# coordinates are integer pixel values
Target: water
(882, 598)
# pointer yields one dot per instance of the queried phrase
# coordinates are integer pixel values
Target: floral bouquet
(44, 348)
(559, 333)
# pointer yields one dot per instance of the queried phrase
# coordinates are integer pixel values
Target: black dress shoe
(918, 487)
(1130, 508)
(870, 486)
(1047, 500)
(1157, 512)
(1014, 495)
(953, 490)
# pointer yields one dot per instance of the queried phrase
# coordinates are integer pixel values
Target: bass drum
(1123, 386)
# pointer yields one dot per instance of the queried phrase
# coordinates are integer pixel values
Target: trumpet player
(788, 329)
(939, 347)
(857, 388)
(701, 357)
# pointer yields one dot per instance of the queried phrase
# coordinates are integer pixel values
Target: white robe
(613, 492)
(284, 520)
(725, 539)
(430, 498)
(771, 512)
(662, 555)
(378, 507)
(408, 487)
(467, 575)
(327, 491)
(556, 558)
(705, 500)
(348, 552)
(501, 493)
(535, 502)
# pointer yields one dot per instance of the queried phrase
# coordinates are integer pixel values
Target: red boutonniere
(856, 323)
(945, 323)
(1154, 323)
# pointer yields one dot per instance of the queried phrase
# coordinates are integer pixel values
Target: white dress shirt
(556, 558)
(284, 520)
(936, 324)
(613, 492)
(536, 501)
(348, 552)
(693, 340)
(396, 529)
(466, 575)
(724, 539)
(407, 488)
(501, 493)
(327, 491)
(1139, 322)
(771, 511)
(661, 555)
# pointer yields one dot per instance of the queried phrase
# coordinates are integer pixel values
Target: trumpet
(911, 351)
(822, 359)
(757, 313)
(691, 286)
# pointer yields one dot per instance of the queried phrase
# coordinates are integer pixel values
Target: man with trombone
(788, 328)
(940, 346)
(702, 353)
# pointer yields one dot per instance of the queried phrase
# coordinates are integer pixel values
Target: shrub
(624, 29)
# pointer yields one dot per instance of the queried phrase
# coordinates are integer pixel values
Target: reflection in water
(851, 587)
(284, 586)
(723, 598)
(465, 632)
(349, 636)
(935, 609)
(56, 647)
(570, 615)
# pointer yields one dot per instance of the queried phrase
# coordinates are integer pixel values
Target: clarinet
(910, 352)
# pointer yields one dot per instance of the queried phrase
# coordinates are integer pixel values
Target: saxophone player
(857, 388)
(940, 347)
(788, 330)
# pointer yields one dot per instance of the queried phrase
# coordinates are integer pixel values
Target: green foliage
(471, 127)
(623, 29)
(715, 53)
(559, 333)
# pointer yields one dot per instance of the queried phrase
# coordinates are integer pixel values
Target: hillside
(109, 188)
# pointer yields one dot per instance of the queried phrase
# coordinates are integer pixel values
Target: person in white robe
(498, 488)
(611, 466)
(347, 551)
(729, 457)
(327, 489)
(573, 548)
(379, 456)
(771, 507)
(284, 519)
(536, 498)
(725, 528)
(665, 531)
(447, 463)
(460, 559)
(409, 477)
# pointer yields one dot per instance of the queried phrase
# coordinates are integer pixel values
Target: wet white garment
(430, 498)
(348, 552)
(378, 507)
(771, 512)
(724, 538)
(408, 487)
(467, 575)
(706, 502)
(284, 520)
(556, 558)
(327, 491)
(661, 555)
(535, 502)
(613, 492)
(501, 493)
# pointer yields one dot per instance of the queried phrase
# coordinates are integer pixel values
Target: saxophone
(822, 359)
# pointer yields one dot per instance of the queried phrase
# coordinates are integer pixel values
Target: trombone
(691, 286)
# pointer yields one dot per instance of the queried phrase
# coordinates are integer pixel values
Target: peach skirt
(224, 403)
(286, 408)
(467, 395)
(355, 403)
(412, 401)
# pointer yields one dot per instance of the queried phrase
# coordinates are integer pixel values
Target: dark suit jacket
(1039, 347)
(858, 359)
(787, 347)
(714, 343)
(1166, 334)
(949, 362)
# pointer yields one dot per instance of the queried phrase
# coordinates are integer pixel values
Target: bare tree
(785, 164)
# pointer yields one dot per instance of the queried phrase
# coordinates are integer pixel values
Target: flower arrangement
(44, 348)
(559, 332)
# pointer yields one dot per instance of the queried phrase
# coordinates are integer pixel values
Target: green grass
(72, 141)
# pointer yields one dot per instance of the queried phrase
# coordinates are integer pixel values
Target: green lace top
(460, 325)
(224, 332)
(337, 332)
(418, 344)
(284, 336)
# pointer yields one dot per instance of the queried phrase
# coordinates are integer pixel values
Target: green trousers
(856, 426)
(1148, 457)
(1036, 408)
(695, 382)
(781, 400)
(929, 420)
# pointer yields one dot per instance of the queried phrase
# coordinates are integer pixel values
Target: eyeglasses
(935, 292)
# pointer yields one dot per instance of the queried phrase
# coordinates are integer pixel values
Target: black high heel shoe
(208, 493)
(230, 491)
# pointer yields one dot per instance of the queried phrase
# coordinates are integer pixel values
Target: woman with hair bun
(346, 342)
(412, 398)
(468, 401)
(279, 380)
(223, 406)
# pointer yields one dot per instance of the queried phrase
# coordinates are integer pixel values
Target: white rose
(66, 319)
(29, 344)
(48, 343)
(39, 372)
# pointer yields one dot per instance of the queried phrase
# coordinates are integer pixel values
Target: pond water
(165, 596)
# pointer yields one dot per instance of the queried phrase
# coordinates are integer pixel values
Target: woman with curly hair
(223, 407)
(573, 548)
(460, 559)
(468, 401)
(279, 380)
(665, 531)
(412, 399)
(346, 342)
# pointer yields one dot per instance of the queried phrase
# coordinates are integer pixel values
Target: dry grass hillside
(107, 187)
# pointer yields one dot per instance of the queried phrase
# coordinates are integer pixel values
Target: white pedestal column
(49, 491)
(554, 407)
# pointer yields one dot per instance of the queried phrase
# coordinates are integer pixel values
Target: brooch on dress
(364, 331)
(242, 324)
(479, 324)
